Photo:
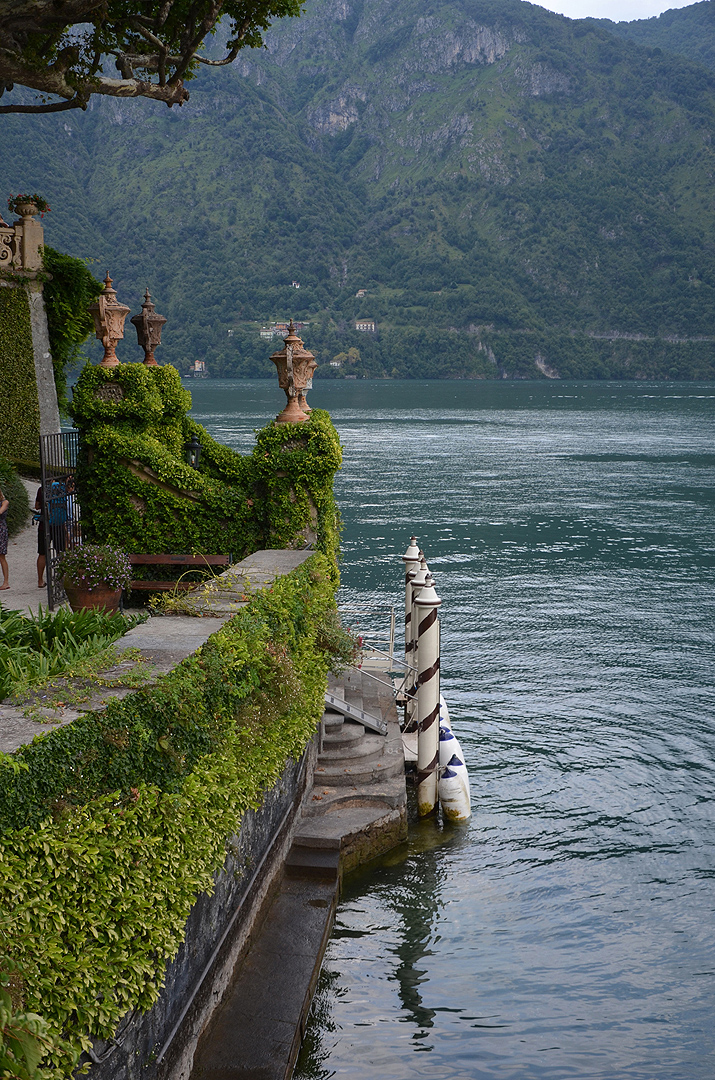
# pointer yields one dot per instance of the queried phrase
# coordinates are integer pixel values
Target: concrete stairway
(355, 810)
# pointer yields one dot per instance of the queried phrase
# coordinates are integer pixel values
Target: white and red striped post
(426, 607)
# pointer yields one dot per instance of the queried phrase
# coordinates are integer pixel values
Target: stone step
(363, 771)
(366, 747)
(305, 861)
(332, 721)
(347, 735)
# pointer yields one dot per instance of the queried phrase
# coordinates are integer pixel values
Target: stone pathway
(23, 594)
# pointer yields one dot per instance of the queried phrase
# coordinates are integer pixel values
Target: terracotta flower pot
(99, 597)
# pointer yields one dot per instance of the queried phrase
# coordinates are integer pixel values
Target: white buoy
(444, 712)
(448, 746)
(454, 791)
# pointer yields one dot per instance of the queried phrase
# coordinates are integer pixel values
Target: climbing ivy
(138, 492)
(15, 492)
(116, 823)
(68, 291)
(20, 411)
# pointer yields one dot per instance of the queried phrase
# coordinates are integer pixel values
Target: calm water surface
(568, 931)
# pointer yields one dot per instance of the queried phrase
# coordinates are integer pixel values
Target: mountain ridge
(518, 193)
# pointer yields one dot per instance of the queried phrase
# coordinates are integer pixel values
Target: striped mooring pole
(411, 559)
(417, 581)
(426, 608)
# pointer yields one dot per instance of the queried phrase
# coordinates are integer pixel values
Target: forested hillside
(517, 193)
(688, 31)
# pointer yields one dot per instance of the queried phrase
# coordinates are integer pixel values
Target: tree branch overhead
(61, 47)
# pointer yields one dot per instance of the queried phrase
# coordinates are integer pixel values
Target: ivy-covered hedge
(15, 492)
(138, 492)
(20, 412)
(115, 824)
(68, 292)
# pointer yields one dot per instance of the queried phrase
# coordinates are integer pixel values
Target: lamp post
(148, 326)
(295, 365)
(108, 315)
(193, 451)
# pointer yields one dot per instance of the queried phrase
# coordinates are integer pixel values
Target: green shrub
(38, 647)
(113, 825)
(16, 493)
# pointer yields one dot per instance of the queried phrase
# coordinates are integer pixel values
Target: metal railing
(60, 522)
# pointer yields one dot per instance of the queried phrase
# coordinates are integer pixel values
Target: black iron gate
(60, 523)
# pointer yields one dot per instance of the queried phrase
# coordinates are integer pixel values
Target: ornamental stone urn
(109, 316)
(148, 326)
(295, 366)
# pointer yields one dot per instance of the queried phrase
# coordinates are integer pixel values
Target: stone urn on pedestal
(295, 365)
(109, 316)
(148, 326)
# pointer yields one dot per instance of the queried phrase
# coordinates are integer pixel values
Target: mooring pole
(426, 608)
(416, 584)
(411, 559)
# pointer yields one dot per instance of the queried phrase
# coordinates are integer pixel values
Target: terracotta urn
(98, 598)
(295, 365)
(108, 315)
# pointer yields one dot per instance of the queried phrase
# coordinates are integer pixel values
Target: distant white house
(368, 326)
(295, 284)
(360, 293)
(336, 363)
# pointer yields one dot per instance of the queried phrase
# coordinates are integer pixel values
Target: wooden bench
(193, 562)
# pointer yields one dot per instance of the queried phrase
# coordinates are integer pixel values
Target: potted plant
(93, 575)
(27, 205)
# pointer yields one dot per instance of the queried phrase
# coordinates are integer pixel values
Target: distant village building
(335, 363)
(198, 370)
(360, 293)
(366, 325)
(295, 284)
(280, 329)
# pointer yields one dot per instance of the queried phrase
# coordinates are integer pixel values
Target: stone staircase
(355, 810)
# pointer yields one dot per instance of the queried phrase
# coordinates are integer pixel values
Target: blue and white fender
(454, 791)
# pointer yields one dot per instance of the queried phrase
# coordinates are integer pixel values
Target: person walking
(41, 557)
(4, 506)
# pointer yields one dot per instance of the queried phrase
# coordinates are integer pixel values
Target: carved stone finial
(295, 365)
(108, 315)
(148, 326)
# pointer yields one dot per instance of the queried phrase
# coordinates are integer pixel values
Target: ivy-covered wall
(111, 827)
(138, 492)
(19, 403)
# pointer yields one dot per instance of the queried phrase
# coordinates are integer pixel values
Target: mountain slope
(517, 192)
(688, 31)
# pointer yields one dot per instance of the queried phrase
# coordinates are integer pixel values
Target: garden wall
(125, 836)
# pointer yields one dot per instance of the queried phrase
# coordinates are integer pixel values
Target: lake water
(568, 932)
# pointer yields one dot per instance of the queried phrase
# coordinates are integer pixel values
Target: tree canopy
(61, 47)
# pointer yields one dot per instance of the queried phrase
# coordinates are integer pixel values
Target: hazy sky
(618, 10)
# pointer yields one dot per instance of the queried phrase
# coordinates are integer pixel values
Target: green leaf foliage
(117, 822)
(15, 492)
(38, 647)
(20, 412)
(68, 293)
(138, 492)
